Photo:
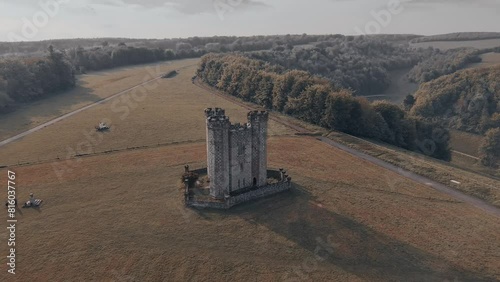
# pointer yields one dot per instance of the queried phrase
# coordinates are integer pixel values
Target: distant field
(90, 88)
(167, 114)
(445, 45)
(488, 60)
(458, 36)
(465, 142)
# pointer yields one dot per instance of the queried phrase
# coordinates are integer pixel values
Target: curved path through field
(65, 116)
(408, 174)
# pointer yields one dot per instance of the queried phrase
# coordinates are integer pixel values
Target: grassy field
(118, 216)
(90, 88)
(165, 114)
(468, 144)
(465, 142)
(445, 45)
(474, 180)
(488, 60)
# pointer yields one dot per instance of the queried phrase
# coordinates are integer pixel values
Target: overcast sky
(28, 20)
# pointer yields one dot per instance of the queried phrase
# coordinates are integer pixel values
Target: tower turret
(258, 121)
(218, 151)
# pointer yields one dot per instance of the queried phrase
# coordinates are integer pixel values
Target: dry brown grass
(173, 112)
(121, 216)
(488, 60)
(465, 142)
(482, 186)
(90, 88)
(469, 144)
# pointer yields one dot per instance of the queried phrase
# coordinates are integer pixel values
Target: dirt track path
(478, 203)
(65, 116)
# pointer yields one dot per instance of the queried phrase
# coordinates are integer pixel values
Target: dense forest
(316, 100)
(317, 78)
(82, 55)
(208, 44)
(23, 80)
(490, 148)
(106, 57)
(468, 100)
(438, 63)
(363, 64)
(357, 63)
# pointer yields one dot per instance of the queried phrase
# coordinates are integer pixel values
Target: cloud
(189, 7)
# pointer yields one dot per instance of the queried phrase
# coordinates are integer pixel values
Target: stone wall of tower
(218, 152)
(258, 126)
(236, 154)
(240, 157)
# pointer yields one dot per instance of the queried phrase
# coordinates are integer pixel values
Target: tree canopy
(316, 100)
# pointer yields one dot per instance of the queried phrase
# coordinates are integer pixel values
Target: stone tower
(236, 154)
(218, 151)
(258, 126)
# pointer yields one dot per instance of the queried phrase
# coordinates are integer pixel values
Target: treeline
(438, 63)
(458, 36)
(106, 57)
(489, 151)
(317, 100)
(468, 100)
(23, 80)
(207, 44)
(358, 63)
(223, 43)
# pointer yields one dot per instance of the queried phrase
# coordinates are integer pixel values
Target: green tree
(408, 102)
(342, 112)
(490, 148)
(169, 54)
(394, 117)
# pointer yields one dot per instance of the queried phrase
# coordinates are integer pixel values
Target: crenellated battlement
(218, 122)
(258, 116)
(216, 112)
(239, 127)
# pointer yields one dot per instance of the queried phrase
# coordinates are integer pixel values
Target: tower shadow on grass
(354, 247)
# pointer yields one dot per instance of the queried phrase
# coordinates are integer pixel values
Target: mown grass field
(445, 45)
(465, 142)
(118, 216)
